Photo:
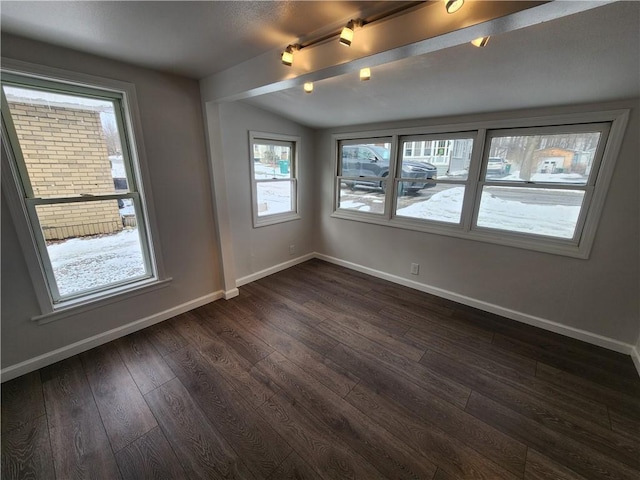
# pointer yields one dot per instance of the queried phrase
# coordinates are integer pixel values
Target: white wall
(257, 249)
(598, 295)
(173, 132)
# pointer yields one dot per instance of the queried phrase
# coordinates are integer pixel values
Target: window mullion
(470, 203)
(392, 184)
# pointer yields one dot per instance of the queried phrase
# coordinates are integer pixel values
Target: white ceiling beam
(423, 30)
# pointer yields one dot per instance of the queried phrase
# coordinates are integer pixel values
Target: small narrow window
(274, 163)
(74, 164)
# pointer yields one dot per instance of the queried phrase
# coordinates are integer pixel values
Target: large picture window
(538, 183)
(274, 178)
(72, 154)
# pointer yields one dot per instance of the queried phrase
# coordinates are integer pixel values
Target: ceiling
(190, 38)
(586, 57)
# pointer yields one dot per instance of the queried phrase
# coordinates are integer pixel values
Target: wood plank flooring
(319, 372)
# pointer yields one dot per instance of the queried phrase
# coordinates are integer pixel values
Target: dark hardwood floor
(321, 372)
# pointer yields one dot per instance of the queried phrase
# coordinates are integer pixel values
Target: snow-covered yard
(86, 263)
(503, 214)
(273, 197)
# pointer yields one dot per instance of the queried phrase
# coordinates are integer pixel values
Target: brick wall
(66, 155)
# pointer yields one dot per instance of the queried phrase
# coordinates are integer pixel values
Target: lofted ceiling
(190, 38)
(585, 57)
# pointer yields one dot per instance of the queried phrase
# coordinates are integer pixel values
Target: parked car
(373, 161)
(496, 166)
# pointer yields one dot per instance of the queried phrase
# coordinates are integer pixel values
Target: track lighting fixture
(346, 36)
(308, 87)
(287, 55)
(365, 74)
(480, 42)
(453, 6)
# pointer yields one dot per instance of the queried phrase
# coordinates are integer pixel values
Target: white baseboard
(229, 294)
(572, 332)
(88, 343)
(275, 269)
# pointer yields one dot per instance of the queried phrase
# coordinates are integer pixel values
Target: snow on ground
(495, 212)
(85, 263)
(574, 178)
(274, 197)
(444, 206)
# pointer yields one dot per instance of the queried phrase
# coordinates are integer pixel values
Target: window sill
(99, 300)
(276, 218)
(566, 248)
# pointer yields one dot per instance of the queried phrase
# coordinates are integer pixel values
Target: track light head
(453, 6)
(287, 55)
(480, 42)
(346, 36)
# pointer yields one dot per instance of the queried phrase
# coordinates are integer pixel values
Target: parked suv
(496, 166)
(373, 161)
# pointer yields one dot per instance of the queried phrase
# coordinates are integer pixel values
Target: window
(419, 195)
(537, 183)
(274, 162)
(363, 175)
(72, 154)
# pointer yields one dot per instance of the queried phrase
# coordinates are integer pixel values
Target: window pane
(272, 161)
(92, 245)
(561, 158)
(274, 197)
(537, 211)
(441, 203)
(70, 144)
(448, 158)
(362, 198)
(366, 159)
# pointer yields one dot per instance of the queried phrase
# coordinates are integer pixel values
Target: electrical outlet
(292, 249)
(415, 268)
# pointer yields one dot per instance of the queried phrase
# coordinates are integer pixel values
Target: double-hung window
(550, 189)
(72, 154)
(365, 168)
(440, 177)
(274, 163)
(537, 183)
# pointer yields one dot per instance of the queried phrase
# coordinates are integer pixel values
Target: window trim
(581, 249)
(604, 128)
(12, 187)
(393, 157)
(282, 139)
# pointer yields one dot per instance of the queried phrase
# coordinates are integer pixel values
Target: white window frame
(578, 247)
(22, 209)
(465, 216)
(388, 179)
(283, 140)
